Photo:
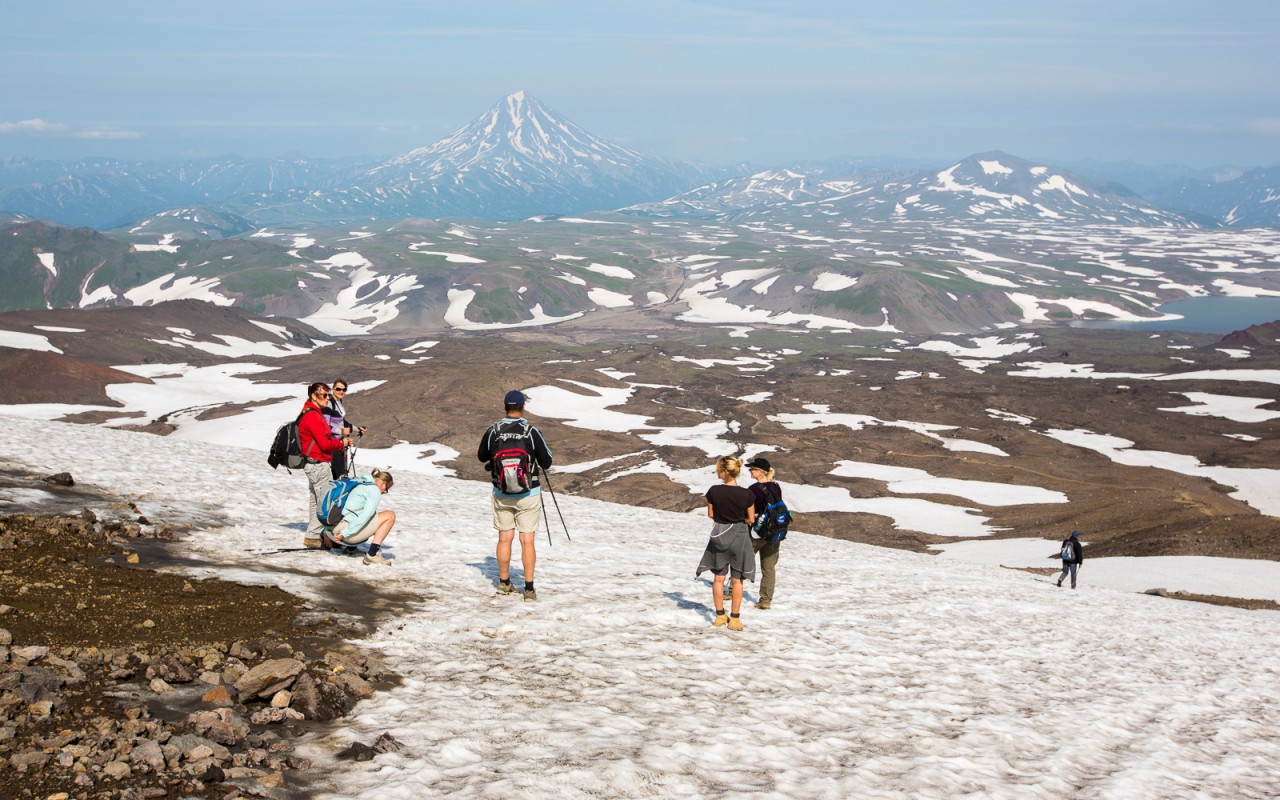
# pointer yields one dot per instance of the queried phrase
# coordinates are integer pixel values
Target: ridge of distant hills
(520, 159)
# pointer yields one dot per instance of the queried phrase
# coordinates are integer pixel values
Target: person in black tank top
(729, 552)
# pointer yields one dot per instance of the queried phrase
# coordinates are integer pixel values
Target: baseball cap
(513, 398)
(759, 463)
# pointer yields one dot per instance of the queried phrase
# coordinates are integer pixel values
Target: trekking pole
(557, 505)
(545, 520)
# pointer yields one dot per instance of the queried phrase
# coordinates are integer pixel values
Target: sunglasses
(340, 391)
(322, 394)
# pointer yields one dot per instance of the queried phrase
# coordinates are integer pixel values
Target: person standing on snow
(335, 414)
(318, 444)
(514, 452)
(1072, 555)
(729, 553)
(765, 490)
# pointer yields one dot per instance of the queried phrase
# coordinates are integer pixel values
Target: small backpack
(1068, 552)
(773, 522)
(512, 467)
(286, 447)
(329, 511)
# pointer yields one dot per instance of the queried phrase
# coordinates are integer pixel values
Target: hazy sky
(721, 81)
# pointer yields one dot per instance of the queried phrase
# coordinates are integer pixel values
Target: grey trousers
(319, 476)
(1068, 567)
(768, 552)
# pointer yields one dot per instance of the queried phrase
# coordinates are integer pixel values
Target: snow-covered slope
(877, 673)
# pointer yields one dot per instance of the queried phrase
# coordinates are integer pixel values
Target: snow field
(878, 673)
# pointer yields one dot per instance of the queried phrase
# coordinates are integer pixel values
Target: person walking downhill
(515, 452)
(731, 509)
(318, 444)
(1072, 557)
(765, 490)
(361, 519)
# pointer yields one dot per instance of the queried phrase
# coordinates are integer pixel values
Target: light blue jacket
(361, 504)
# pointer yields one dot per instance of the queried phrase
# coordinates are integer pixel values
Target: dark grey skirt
(729, 545)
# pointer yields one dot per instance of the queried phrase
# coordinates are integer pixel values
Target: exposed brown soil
(1122, 510)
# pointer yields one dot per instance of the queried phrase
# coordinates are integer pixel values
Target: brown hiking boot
(735, 623)
(721, 619)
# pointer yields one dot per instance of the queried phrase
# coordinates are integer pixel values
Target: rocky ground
(117, 681)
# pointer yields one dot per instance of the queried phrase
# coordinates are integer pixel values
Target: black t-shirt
(730, 504)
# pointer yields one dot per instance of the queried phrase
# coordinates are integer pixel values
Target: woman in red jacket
(318, 445)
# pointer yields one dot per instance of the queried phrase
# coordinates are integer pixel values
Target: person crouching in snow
(1072, 557)
(361, 519)
(729, 551)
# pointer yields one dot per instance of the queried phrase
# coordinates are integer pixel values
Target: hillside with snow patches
(876, 673)
(813, 273)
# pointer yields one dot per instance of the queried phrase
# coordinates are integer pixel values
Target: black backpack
(512, 468)
(286, 447)
(773, 522)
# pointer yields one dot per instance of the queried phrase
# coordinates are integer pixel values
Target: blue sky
(1194, 83)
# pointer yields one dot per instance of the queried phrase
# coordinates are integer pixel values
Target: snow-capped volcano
(519, 134)
(520, 159)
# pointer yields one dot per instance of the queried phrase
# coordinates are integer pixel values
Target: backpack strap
(305, 409)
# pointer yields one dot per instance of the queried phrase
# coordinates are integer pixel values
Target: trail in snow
(877, 673)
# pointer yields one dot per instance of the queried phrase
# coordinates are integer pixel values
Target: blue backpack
(329, 511)
(773, 522)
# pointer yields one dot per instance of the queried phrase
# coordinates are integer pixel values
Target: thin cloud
(1270, 127)
(107, 135)
(32, 127)
(40, 127)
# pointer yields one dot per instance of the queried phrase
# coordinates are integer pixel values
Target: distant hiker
(729, 552)
(319, 443)
(335, 413)
(1072, 556)
(361, 519)
(765, 490)
(514, 451)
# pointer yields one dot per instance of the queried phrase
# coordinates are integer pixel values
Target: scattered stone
(386, 743)
(6, 638)
(281, 699)
(271, 715)
(269, 677)
(357, 751)
(146, 623)
(218, 696)
(1157, 592)
(159, 686)
(117, 770)
(60, 479)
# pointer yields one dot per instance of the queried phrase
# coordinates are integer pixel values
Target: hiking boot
(721, 619)
(763, 604)
(735, 623)
(506, 587)
(312, 544)
(377, 559)
(1059, 583)
(530, 595)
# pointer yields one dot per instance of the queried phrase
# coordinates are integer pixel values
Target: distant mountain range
(1249, 201)
(985, 186)
(520, 159)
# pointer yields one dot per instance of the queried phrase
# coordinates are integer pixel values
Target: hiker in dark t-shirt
(763, 490)
(729, 552)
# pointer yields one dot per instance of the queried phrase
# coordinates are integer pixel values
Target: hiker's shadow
(489, 569)
(294, 526)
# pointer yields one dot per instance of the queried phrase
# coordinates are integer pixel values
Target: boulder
(318, 700)
(269, 677)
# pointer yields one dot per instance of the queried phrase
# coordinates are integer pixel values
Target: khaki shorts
(516, 514)
(356, 537)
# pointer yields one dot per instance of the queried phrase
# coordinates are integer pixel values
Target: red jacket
(318, 441)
